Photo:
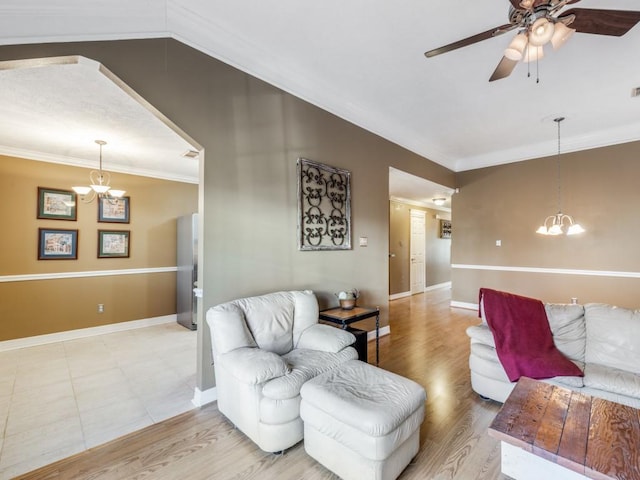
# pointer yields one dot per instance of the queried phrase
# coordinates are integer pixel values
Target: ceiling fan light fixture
(541, 32)
(561, 34)
(516, 48)
(533, 53)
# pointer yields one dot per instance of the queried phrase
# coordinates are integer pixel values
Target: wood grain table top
(355, 314)
(594, 437)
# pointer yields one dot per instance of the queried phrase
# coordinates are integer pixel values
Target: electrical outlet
(101, 308)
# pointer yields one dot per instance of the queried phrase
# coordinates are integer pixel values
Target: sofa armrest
(481, 334)
(253, 366)
(325, 338)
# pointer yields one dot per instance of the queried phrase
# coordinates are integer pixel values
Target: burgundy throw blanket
(523, 338)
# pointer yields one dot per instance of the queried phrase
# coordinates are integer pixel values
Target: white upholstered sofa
(264, 349)
(603, 340)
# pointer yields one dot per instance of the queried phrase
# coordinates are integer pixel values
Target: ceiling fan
(540, 22)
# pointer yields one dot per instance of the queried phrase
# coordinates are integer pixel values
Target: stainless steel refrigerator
(187, 278)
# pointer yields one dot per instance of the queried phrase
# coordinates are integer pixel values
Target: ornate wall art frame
(324, 207)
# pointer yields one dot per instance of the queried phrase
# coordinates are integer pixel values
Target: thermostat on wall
(364, 241)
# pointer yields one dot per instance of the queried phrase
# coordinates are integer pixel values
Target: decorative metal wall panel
(324, 207)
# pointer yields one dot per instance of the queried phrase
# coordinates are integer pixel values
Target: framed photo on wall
(113, 243)
(57, 244)
(445, 228)
(56, 204)
(114, 210)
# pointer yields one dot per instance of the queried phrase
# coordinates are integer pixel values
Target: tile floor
(60, 399)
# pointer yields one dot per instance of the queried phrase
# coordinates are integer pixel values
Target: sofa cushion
(612, 380)
(325, 338)
(484, 361)
(304, 365)
(270, 320)
(613, 337)
(228, 328)
(253, 365)
(305, 311)
(568, 328)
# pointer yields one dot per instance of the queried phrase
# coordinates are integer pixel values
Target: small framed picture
(113, 210)
(57, 244)
(56, 204)
(113, 243)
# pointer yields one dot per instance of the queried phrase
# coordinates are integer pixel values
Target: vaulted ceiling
(363, 60)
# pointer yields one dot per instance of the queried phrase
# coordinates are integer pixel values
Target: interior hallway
(62, 398)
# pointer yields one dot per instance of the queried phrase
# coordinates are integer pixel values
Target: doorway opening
(419, 258)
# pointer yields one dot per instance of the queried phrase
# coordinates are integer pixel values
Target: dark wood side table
(344, 318)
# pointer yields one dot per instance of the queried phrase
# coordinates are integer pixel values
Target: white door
(417, 251)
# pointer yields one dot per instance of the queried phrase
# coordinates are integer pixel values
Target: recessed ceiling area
(54, 110)
(407, 188)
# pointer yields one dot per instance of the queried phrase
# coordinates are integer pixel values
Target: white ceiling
(54, 111)
(363, 60)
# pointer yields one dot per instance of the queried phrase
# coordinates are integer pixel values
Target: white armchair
(264, 349)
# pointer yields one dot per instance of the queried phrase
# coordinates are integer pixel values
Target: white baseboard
(396, 296)
(382, 332)
(438, 286)
(84, 332)
(468, 306)
(201, 397)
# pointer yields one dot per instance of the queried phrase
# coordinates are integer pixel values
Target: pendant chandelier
(99, 184)
(559, 223)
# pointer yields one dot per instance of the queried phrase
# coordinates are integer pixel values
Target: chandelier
(100, 184)
(559, 223)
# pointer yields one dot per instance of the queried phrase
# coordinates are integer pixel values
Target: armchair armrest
(253, 366)
(325, 338)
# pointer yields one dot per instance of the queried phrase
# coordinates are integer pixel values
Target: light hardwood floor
(427, 344)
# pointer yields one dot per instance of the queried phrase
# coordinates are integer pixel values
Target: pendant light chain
(559, 223)
(558, 120)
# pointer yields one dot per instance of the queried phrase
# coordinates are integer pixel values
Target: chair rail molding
(558, 271)
(94, 273)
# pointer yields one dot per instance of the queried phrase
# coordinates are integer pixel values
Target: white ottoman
(362, 422)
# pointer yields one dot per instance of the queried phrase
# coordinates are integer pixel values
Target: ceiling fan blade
(494, 32)
(603, 22)
(504, 69)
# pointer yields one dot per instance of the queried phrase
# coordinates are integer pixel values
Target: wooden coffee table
(549, 432)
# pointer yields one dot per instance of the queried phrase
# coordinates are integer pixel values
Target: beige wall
(252, 134)
(508, 203)
(437, 250)
(37, 307)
